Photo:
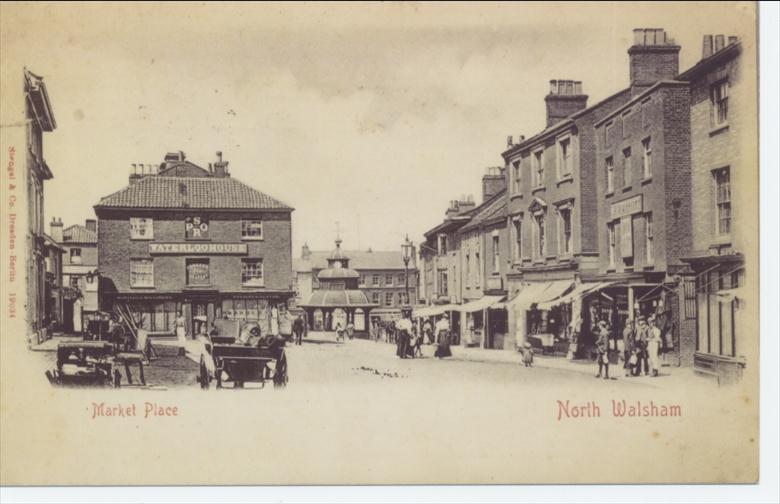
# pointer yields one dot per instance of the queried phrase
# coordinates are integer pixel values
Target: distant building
(54, 293)
(381, 276)
(79, 272)
(181, 238)
(336, 300)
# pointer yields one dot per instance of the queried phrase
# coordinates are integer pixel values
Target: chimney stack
(55, 229)
(653, 57)
(91, 224)
(720, 43)
(565, 98)
(706, 47)
(221, 167)
(509, 142)
(493, 182)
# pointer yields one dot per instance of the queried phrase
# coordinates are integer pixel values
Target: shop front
(479, 328)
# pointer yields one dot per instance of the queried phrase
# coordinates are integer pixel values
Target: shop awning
(479, 304)
(578, 292)
(432, 311)
(538, 292)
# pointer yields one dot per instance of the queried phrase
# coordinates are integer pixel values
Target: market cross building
(184, 239)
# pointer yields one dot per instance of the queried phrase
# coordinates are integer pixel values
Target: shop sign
(196, 228)
(198, 248)
(629, 206)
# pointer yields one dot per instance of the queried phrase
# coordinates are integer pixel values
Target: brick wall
(116, 249)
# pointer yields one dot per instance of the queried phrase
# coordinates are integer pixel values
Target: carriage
(236, 353)
(94, 364)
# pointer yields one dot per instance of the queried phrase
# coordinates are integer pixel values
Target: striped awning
(579, 291)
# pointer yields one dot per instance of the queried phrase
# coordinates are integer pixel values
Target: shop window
(141, 228)
(610, 173)
(251, 229)
(75, 255)
(649, 238)
(723, 201)
(141, 273)
(197, 272)
(647, 159)
(719, 103)
(252, 272)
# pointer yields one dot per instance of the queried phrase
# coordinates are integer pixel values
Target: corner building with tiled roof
(181, 238)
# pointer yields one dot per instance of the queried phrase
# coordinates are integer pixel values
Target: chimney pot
(706, 48)
(520, 138)
(219, 156)
(719, 42)
(509, 142)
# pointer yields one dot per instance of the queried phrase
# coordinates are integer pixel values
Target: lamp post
(407, 247)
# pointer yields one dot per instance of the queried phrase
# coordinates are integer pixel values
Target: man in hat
(642, 337)
(602, 345)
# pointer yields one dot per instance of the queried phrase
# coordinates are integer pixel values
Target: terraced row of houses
(622, 208)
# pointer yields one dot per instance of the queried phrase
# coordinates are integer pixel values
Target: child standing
(528, 355)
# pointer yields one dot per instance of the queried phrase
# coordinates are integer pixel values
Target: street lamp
(407, 247)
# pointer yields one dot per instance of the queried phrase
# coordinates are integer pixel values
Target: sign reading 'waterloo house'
(198, 248)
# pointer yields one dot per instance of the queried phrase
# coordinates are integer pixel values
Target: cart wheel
(204, 374)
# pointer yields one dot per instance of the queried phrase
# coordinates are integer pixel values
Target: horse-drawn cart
(239, 355)
(94, 364)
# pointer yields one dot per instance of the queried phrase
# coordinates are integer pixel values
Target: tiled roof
(190, 192)
(79, 234)
(494, 207)
(358, 260)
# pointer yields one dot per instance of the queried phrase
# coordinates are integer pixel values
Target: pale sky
(371, 115)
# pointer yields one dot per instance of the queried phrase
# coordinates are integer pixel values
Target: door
(67, 322)
(199, 321)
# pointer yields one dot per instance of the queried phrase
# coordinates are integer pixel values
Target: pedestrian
(642, 337)
(180, 325)
(339, 331)
(403, 336)
(602, 345)
(428, 331)
(629, 347)
(528, 354)
(350, 330)
(443, 337)
(654, 345)
(298, 329)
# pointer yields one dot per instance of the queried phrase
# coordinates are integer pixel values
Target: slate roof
(191, 192)
(491, 209)
(358, 260)
(78, 234)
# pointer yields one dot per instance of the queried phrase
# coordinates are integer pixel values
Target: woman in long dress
(181, 328)
(443, 338)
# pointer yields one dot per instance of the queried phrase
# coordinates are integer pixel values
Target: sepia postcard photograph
(379, 243)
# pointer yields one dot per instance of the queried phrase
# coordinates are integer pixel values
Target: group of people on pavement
(409, 340)
(641, 347)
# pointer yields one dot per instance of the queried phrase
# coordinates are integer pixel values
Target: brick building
(381, 276)
(552, 214)
(181, 238)
(79, 272)
(723, 123)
